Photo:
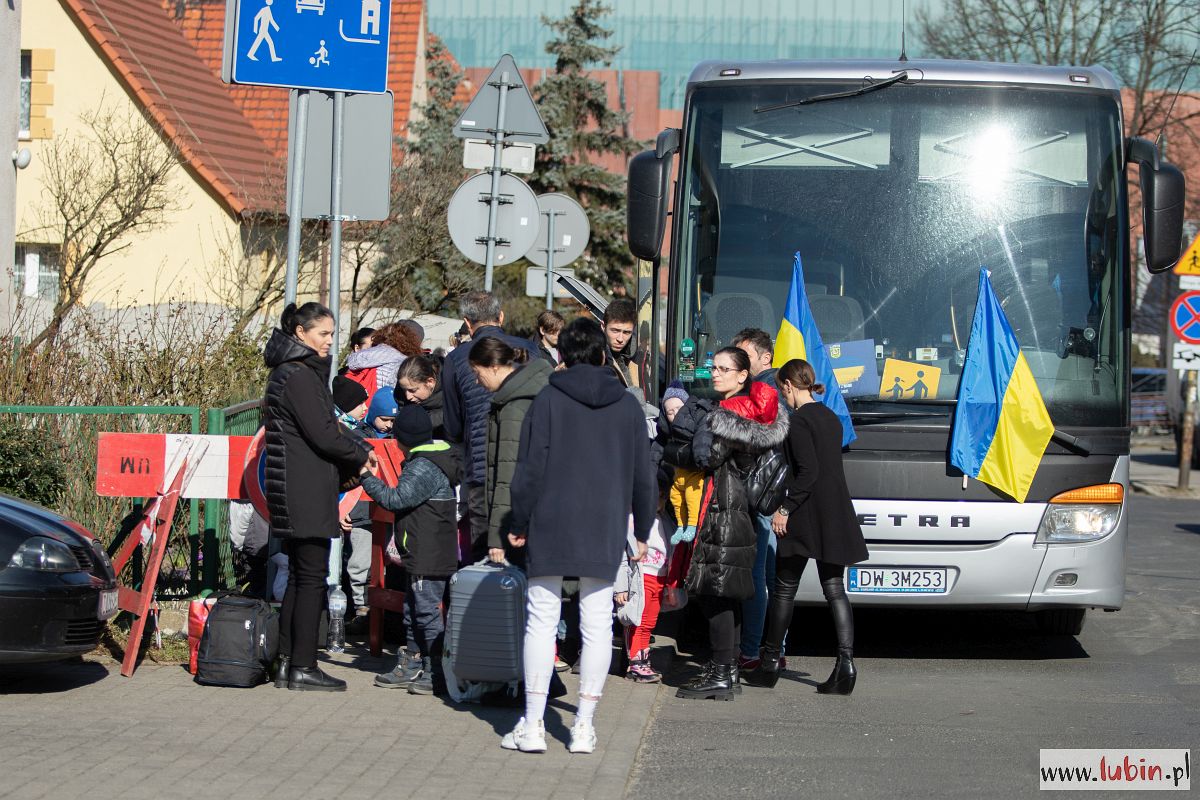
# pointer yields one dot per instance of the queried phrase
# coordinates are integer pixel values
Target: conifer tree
(584, 125)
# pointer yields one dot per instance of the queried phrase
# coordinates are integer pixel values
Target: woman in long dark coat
(305, 453)
(747, 422)
(816, 521)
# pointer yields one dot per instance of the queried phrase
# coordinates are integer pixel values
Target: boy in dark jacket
(350, 403)
(424, 504)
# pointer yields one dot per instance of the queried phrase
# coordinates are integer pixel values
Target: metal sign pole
(296, 213)
(1187, 431)
(550, 251)
(494, 197)
(335, 235)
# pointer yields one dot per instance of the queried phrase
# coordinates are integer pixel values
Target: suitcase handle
(487, 562)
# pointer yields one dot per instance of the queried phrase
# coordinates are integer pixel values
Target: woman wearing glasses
(747, 421)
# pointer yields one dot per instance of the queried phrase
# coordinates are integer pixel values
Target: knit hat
(412, 426)
(675, 390)
(347, 394)
(383, 404)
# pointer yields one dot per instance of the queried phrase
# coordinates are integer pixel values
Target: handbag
(766, 483)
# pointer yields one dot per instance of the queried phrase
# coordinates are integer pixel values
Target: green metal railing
(75, 429)
(242, 419)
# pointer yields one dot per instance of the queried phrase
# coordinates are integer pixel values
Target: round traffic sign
(1185, 317)
(516, 218)
(571, 230)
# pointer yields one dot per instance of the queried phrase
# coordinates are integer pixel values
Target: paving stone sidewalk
(81, 730)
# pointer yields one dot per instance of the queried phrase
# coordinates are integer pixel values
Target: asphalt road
(953, 704)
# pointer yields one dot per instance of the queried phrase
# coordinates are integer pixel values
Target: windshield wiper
(877, 416)
(820, 98)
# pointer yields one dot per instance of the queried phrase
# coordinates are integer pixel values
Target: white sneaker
(526, 737)
(583, 738)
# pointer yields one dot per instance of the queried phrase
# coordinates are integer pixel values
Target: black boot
(423, 682)
(735, 676)
(283, 665)
(312, 679)
(841, 680)
(766, 674)
(715, 682)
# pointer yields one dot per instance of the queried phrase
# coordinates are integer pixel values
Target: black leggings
(300, 614)
(724, 627)
(788, 571)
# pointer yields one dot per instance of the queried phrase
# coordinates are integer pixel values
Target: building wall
(672, 36)
(173, 262)
(10, 36)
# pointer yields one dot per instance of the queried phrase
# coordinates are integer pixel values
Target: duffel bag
(240, 640)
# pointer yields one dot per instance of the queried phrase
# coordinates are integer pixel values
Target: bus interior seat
(839, 318)
(726, 313)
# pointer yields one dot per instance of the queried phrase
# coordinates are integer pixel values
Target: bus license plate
(108, 604)
(896, 579)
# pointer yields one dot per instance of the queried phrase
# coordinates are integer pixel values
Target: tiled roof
(166, 76)
(203, 23)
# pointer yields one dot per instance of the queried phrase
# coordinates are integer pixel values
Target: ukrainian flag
(1001, 426)
(799, 338)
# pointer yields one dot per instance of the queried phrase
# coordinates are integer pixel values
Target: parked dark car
(57, 587)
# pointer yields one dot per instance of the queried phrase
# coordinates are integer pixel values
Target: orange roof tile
(166, 76)
(266, 108)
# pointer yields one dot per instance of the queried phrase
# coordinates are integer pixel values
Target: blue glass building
(672, 36)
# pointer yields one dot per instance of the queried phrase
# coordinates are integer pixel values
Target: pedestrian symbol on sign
(264, 20)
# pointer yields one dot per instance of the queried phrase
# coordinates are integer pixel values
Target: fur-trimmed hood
(754, 422)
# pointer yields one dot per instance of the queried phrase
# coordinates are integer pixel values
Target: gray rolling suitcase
(485, 625)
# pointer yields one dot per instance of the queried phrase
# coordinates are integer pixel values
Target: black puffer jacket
(726, 544)
(305, 445)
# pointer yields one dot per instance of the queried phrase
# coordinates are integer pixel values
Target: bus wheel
(1061, 621)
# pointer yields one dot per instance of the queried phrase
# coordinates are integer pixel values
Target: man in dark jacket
(620, 318)
(423, 501)
(756, 343)
(466, 409)
(583, 469)
(545, 341)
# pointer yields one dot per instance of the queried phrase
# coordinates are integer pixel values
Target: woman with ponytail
(816, 521)
(419, 381)
(514, 380)
(305, 452)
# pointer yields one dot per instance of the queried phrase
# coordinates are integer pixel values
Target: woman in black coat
(816, 521)
(305, 452)
(746, 423)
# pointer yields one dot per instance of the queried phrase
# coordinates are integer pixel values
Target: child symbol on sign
(320, 57)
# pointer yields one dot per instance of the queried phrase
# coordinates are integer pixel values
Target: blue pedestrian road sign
(328, 45)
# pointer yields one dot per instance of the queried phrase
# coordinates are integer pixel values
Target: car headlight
(44, 555)
(1082, 515)
(1072, 523)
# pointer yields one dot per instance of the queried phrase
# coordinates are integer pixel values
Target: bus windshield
(894, 200)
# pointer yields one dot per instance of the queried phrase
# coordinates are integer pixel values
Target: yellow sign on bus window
(909, 380)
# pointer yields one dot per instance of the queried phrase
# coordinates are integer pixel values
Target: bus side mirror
(1163, 193)
(646, 205)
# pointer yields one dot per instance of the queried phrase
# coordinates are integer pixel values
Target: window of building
(26, 94)
(35, 271)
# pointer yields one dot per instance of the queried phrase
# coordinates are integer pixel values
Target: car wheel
(1061, 621)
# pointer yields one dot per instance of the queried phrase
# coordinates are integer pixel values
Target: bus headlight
(1082, 515)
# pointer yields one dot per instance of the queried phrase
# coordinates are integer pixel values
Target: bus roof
(936, 70)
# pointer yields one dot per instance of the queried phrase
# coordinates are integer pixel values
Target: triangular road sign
(522, 123)
(1189, 264)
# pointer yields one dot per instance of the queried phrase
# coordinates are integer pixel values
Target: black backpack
(766, 483)
(240, 640)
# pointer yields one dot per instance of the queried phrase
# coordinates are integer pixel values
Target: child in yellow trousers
(687, 488)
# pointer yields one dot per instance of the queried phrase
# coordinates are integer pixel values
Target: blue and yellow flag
(799, 338)
(1001, 426)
